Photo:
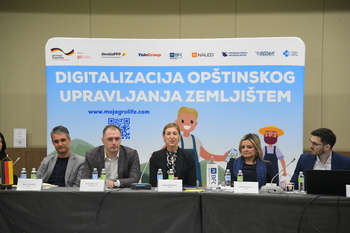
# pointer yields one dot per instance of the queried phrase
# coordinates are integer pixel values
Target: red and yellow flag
(6, 171)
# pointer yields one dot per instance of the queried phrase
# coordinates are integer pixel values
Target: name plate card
(246, 187)
(92, 185)
(212, 175)
(29, 184)
(169, 185)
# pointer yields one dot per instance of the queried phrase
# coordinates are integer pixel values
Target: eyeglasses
(314, 143)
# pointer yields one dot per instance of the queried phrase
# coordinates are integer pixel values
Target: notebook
(328, 182)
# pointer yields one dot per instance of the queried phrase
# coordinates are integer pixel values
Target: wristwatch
(116, 183)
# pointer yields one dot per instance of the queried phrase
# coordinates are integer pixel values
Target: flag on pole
(6, 171)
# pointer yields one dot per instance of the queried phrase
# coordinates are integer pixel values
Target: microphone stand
(140, 185)
(272, 187)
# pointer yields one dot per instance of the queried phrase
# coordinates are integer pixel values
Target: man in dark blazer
(64, 168)
(121, 163)
(321, 156)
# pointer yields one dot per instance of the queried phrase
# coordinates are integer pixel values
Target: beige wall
(26, 25)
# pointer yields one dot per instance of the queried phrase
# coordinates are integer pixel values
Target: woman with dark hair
(2, 156)
(2, 147)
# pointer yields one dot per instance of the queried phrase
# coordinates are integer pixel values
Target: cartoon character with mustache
(271, 152)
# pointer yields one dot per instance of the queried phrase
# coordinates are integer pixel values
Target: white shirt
(319, 166)
(111, 166)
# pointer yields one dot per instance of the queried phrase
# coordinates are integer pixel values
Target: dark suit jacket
(185, 167)
(307, 161)
(73, 170)
(128, 164)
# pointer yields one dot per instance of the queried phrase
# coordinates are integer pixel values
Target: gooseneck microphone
(144, 169)
(141, 185)
(282, 170)
(271, 188)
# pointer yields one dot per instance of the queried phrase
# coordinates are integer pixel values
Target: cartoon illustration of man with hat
(271, 152)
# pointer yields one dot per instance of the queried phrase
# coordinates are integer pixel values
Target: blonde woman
(254, 168)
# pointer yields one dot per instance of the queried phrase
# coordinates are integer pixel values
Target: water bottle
(240, 175)
(23, 173)
(103, 174)
(227, 179)
(301, 182)
(94, 174)
(170, 174)
(159, 174)
(33, 174)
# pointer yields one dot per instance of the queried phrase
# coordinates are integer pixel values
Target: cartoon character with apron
(271, 152)
(187, 121)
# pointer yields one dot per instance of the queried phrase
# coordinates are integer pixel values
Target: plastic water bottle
(23, 173)
(103, 174)
(159, 174)
(94, 174)
(170, 174)
(240, 175)
(227, 179)
(301, 182)
(33, 174)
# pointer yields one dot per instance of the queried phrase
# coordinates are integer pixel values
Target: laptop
(328, 182)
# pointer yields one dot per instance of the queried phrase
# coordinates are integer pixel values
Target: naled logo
(195, 54)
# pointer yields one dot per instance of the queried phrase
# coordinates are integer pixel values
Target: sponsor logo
(59, 54)
(81, 55)
(175, 55)
(54, 50)
(289, 53)
(195, 55)
(149, 54)
(112, 54)
(234, 54)
(213, 175)
(265, 53)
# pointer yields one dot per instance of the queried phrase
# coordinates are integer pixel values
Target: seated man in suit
(321, 156)
(64, 168)
(121, 163)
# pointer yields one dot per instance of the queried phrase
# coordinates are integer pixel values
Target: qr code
(123, 124)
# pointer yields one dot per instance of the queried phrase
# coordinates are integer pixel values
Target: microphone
(140, 185)
(273, 188)
(16, 161)
(282, 170)
(144, 169)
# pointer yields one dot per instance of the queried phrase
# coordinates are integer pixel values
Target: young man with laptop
(321, 157)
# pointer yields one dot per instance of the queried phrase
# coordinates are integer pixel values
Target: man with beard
(64, 168)
(321, 157)
(271, 152)
(121, 163)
